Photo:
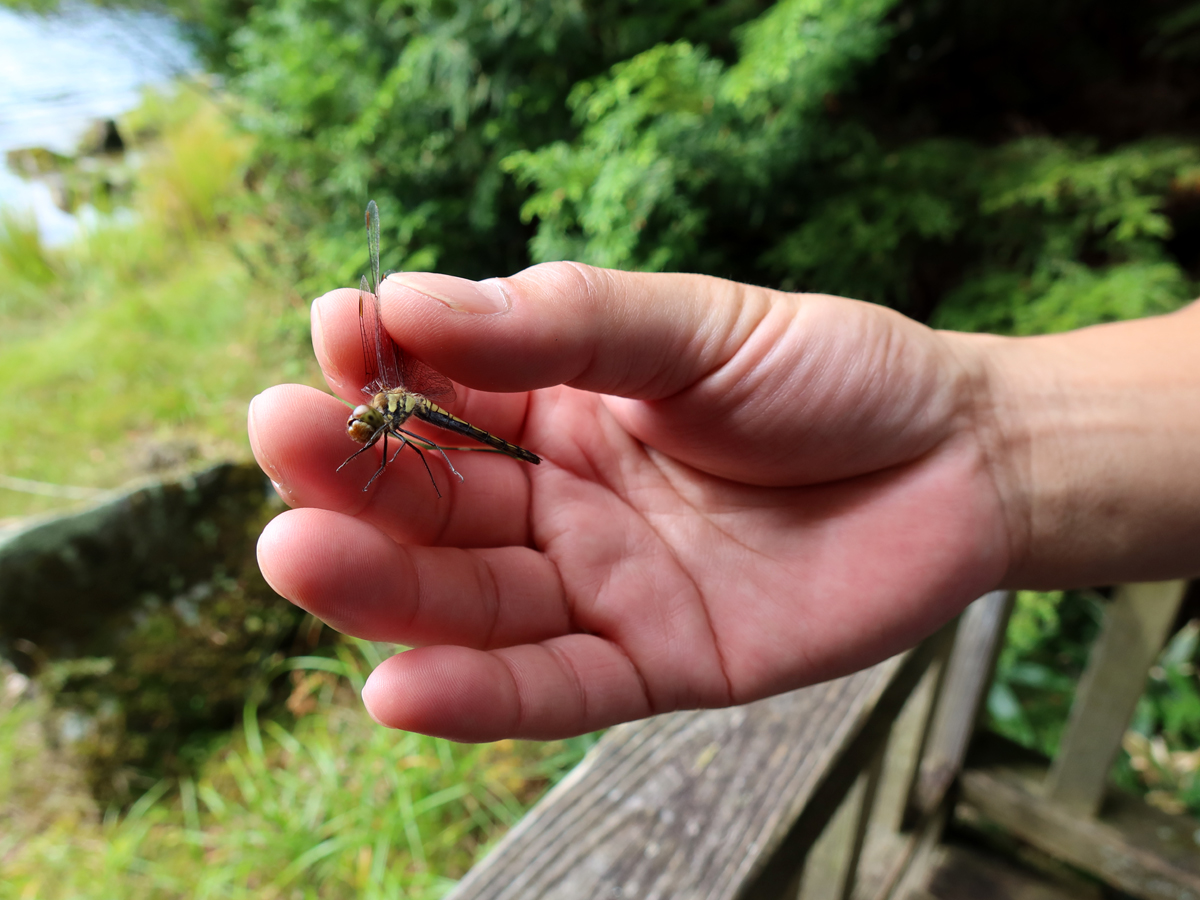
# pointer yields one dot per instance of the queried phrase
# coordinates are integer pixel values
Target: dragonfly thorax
(390, 408)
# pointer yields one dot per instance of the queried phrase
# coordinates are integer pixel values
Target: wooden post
(944, 643)
(866, 805)
(831, 868)
(969, 673)
(1135, 627)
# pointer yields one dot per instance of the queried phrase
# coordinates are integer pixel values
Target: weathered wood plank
(962, 873)
(866, 806)
(828, 863)
(902, 756)
(897, 842)
(1135, 627)
(1135, 848)
(888, 850)
(831, 869)
(968, 674)
(717, 804)
(905, 872)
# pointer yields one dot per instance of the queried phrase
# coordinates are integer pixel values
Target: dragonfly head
(364, 423)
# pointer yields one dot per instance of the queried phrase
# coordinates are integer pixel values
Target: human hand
(743, 491)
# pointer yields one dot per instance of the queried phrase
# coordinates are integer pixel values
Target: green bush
(891, 151)
(418, 104)
(1045, 651)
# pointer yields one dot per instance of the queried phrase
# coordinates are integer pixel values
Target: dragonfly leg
(364, 448)
(382, 465)
(450, 464)
(430, 445)
(405, 442)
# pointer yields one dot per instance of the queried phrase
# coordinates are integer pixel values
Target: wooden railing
(842, 790)
(1068, 811)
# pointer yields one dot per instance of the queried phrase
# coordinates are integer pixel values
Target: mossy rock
(147, 620)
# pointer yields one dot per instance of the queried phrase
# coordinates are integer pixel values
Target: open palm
(742, 492)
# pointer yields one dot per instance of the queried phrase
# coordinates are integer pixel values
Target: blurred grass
(137, 347)
(332, 806)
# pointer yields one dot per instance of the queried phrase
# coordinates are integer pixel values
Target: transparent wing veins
(387, 366)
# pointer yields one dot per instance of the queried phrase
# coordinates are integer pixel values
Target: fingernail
(263, 461)
(282, 490)
(318, 337)
(369, 689)
(460, 294)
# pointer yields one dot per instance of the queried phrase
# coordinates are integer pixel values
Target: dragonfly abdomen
(435, 415)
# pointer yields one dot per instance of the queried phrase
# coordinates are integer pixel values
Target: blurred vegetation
(135, 349)
(1162, 746)
(1046, 650)
(892, 151)
(330, 805)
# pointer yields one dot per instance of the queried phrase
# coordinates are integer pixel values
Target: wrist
(1094, 442)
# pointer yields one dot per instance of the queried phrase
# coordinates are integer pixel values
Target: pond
(60, 73)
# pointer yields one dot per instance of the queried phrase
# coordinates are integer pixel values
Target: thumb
(743, 382)
(631, 334)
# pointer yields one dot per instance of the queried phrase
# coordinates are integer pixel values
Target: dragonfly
(401, 387)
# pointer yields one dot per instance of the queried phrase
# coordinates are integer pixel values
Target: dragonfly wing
(421, 379)
(367, 317)
(382, 359)
(373, 244)
(388, 368)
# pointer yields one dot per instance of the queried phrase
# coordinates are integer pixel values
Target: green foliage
(746, 170)
(626, 187)
(417, 104)
(874, 214)
(1162, 746)
(24, 261)
(1171, 705)
(42, 7)
(889, 150)
(1044, 654)
(1070, 236)
(1035, 235)
(330, 806)
(675, 144)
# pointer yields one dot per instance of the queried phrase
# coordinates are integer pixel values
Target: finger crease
(418, 591)
(564, 663)
(637, 673)
(490, 589)
(520, 700)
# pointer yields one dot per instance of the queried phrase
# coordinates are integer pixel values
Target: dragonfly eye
(363, 423)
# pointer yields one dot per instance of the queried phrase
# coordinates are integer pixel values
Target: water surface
(60, 73)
